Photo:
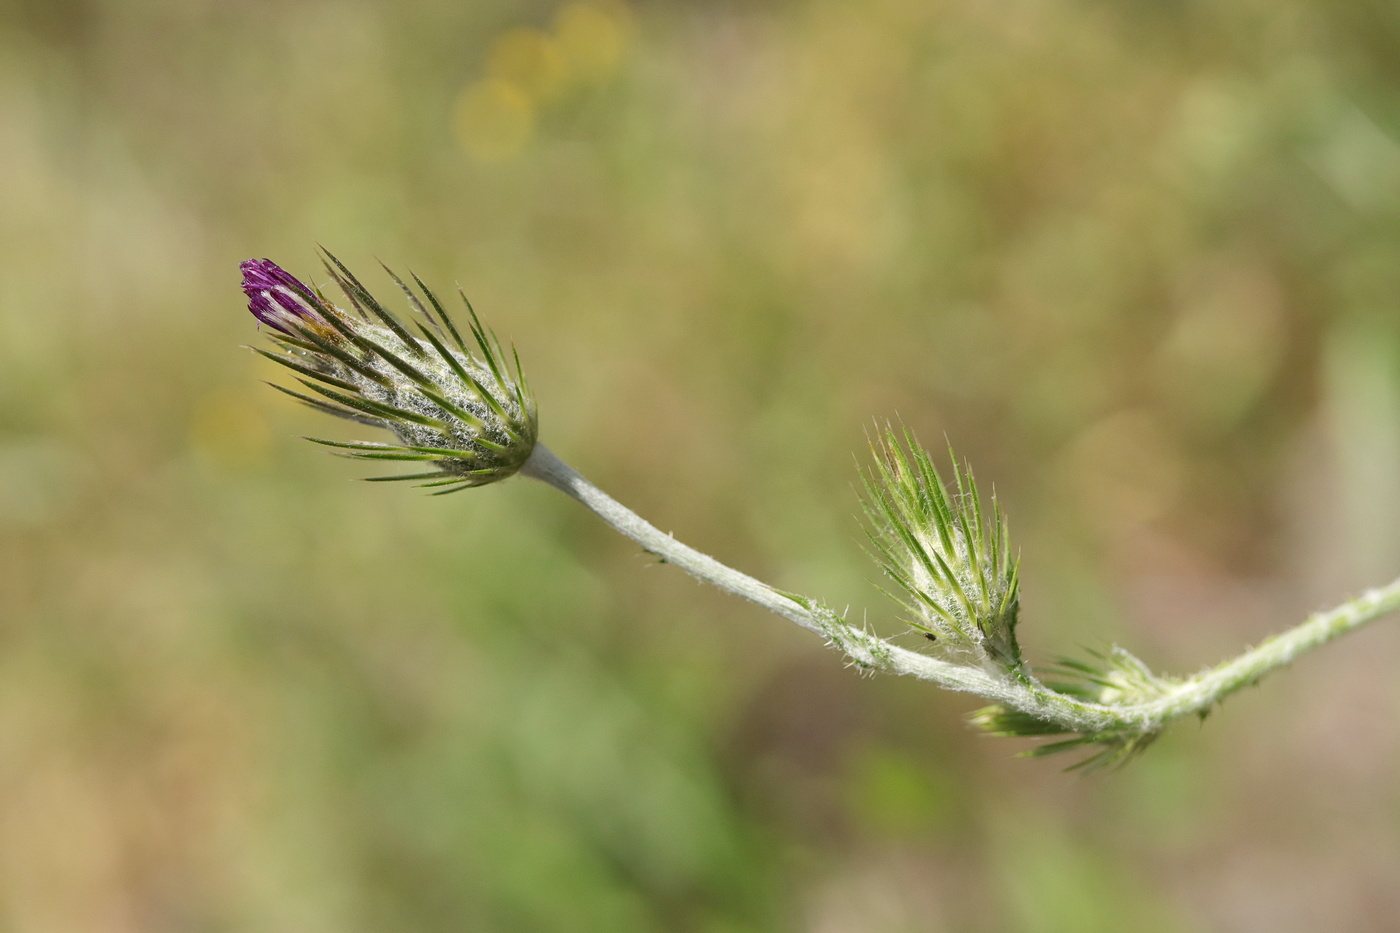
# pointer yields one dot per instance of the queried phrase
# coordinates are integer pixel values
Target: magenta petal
(275, 296)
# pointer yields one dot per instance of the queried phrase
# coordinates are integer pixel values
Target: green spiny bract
(1108, 748)
(1111, 678)
(955, 568)
(459, 411)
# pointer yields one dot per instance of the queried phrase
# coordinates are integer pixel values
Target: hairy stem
(544, 465)
(1195, 694)
(1200, 692)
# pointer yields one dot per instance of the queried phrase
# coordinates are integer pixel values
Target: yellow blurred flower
(532, 61)
(494, 120)
(593, 36)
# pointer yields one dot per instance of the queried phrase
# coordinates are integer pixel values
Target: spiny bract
(954, 565)
(455, 406)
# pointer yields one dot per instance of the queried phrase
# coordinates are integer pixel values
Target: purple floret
(275, 296)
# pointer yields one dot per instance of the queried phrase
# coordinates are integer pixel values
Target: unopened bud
(458, 410)
(952, 561)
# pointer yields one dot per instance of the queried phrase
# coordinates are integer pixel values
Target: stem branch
(1194, 694)
(1200, 692)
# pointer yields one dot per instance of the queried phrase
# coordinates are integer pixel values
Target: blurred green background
(1137, 260)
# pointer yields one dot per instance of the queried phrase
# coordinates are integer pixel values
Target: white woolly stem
(1202, 691)
(1012, 689)
(544, 465)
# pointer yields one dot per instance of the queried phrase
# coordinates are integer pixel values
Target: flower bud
(457, 409)
(954, 566)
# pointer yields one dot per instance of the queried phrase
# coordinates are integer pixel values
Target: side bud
(454, 404)
(955, 568)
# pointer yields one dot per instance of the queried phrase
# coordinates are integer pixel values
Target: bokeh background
(1139, 261)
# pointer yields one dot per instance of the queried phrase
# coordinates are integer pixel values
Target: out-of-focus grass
(1137, 261)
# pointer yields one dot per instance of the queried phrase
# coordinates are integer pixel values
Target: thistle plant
(463, 415)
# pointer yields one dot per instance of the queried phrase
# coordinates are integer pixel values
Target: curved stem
(1178, 698)
(544, 465)
(1200, 692)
